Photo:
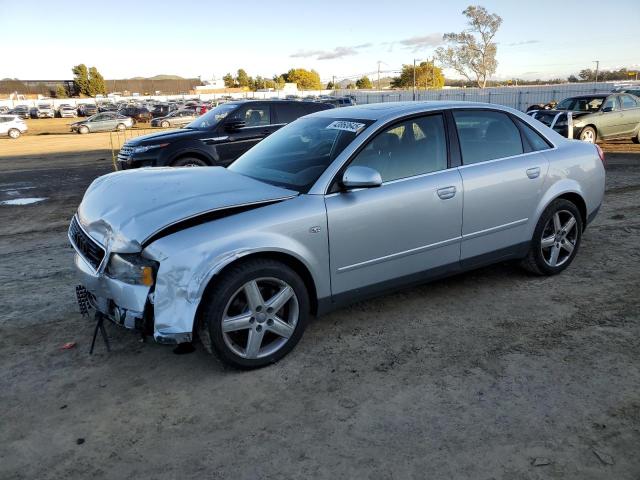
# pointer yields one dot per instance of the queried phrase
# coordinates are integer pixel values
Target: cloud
(422, 41)
(524, 42)
(337, 52)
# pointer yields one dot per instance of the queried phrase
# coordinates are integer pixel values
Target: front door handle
(533, 172)
(447, 192)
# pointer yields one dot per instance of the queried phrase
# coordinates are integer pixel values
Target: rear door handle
(447, 192)
(533, 172)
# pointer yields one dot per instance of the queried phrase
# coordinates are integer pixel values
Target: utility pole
(414, 79)
(597, 62)
(334, 83)
(379, 62)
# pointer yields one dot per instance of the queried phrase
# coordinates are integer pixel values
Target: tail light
(601, 155)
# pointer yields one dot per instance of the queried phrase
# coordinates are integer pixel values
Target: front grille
(85, 245)
(123, 154)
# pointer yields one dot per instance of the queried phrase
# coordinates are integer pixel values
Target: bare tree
(472, 52)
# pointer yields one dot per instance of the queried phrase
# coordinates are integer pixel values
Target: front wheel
(555, 240)
(636, 139)
(121, 127)
(256, 313)
(83, 130)
(14, 133)
(164, 124)
(588, 134)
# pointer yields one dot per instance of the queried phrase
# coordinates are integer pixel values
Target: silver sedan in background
(177, 118)
(335, 207)
(102, 122)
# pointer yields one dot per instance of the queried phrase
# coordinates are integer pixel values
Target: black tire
(589, 133)
(189, 162)
(165, 124)
(120, 127)
(226, 287)
(14, 133)
(83, 130)
(636, 139)
(535, 261)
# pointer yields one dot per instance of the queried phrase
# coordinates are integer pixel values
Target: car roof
(593, 95)
(382, 111)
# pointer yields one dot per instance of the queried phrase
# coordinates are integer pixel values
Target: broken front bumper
(121, 302)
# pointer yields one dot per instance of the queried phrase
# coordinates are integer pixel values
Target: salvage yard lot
(475, 376)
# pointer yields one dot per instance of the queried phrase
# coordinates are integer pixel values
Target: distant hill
(159, 77)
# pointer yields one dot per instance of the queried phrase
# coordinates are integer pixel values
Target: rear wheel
(189, 162)
(121, 127)
(588, 134)
(555, 240)
(256, 313)
(636, 139)
(14, 133)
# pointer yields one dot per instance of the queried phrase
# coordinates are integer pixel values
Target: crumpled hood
(123, 209)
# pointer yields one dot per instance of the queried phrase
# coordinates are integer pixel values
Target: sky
(123, 39)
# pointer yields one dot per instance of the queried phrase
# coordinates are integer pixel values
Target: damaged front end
(120, 286)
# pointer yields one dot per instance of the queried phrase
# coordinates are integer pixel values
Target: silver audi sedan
(335, 207)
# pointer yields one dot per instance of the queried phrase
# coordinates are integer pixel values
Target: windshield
(212, 117)
(581, 104)
(295, 156)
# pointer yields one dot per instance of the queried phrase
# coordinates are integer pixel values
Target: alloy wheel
(260, 317)
(588, 136)
(559, 238)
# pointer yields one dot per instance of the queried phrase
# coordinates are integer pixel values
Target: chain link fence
(515, 97)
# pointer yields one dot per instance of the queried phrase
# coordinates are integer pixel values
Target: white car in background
(12, 125)
(45, 110)
(67, 111)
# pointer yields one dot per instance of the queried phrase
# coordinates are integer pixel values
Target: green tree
(81, 79)
(305, 79)
(96, 83)
(329, 86)
(279, 80)
(364, 82)
(229, 81)
(427, 76)
(269, 83)
(351, 86)
(242, 79)
(472, 52)
(61, 92)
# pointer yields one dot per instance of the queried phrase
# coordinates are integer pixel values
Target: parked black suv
(216, 138)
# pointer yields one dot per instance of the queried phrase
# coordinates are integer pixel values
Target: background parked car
(340, 102)
(21, 110)
(216, 138)
(599, 117)
(87, 109)
(43, 110)
(102, 122)
(162, 110)
(67, 111)
(176, 118)
(12, 125)
(138, 114)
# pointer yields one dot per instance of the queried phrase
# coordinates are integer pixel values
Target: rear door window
(628, 102)
(535, 140)
(288, 112)
(486, 135)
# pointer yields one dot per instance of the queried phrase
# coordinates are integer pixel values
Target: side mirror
(358, 176)
(232, 125)
(607, 109)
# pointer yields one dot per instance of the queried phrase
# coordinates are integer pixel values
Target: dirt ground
(480, 376)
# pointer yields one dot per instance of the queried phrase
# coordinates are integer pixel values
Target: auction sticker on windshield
(345, 125)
